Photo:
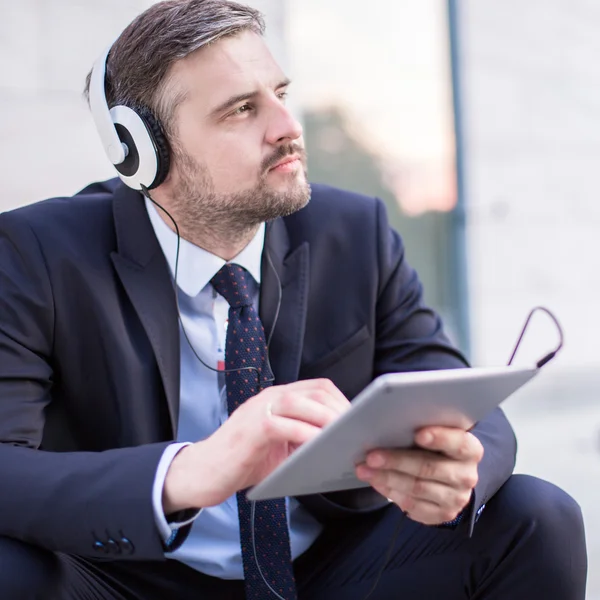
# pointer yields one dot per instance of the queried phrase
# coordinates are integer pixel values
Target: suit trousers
(528, 543)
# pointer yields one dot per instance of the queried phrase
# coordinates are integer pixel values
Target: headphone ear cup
(140, 166)
(163, 149)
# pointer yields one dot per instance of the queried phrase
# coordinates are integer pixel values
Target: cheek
(232, 157)
(234, 167)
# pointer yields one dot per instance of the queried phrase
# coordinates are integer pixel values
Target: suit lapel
(286, 329)
(144, 273)
(145, 276)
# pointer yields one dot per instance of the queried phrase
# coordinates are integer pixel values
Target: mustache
(281, 153)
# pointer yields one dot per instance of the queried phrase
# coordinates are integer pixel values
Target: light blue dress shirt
(213, 545)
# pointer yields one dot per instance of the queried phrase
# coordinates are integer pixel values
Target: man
(128, 435)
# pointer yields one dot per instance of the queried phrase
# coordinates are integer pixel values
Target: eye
(282, 95)
(242, 109)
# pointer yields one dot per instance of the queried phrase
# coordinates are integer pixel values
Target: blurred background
(476, 121)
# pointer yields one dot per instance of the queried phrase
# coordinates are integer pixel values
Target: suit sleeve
(410, 337)
(65, 502)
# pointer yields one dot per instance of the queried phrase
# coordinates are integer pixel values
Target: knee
(26, 572)
(540, 505)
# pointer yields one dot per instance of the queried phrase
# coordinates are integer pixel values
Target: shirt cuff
(168, 529)
(465, 511)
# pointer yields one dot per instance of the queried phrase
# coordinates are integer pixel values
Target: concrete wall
(531, 108)
(48, 143)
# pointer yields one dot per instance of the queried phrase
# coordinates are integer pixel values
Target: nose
(283, 126)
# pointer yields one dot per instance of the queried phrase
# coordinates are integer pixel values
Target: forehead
(233, 65)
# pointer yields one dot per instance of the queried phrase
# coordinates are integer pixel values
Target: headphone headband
(115, 149)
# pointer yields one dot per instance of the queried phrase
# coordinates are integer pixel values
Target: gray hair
(167, 32)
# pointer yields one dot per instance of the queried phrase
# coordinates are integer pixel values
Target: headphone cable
(146, 193)
(270, 379)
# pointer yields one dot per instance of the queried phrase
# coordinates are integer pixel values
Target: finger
(330, 388)
(292, 431)
(417, 510)
(455, 443)
(325, 398)
(303, 408)
(420, 489)
(427, 466)
(327, 389)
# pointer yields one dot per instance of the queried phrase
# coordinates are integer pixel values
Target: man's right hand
(254, 440)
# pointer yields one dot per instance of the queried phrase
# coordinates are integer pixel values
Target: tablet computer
(386, 414)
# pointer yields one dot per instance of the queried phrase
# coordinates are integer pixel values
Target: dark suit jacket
(89, 354)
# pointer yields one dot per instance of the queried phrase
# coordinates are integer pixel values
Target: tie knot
(234, 284)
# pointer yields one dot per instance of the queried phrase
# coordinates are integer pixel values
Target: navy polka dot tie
(245, 347)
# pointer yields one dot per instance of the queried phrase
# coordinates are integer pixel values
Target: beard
(204, 213)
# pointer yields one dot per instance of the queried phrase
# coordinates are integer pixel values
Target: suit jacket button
(113, 547)
(99, 547)
(127, 546)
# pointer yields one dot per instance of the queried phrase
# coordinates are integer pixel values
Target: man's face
(238, 154)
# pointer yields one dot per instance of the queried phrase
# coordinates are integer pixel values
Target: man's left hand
(432, 483)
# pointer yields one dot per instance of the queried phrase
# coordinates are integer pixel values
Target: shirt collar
(198, 266)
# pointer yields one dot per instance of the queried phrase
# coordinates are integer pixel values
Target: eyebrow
(231, 102)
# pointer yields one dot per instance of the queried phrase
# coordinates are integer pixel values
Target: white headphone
(132, 138)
